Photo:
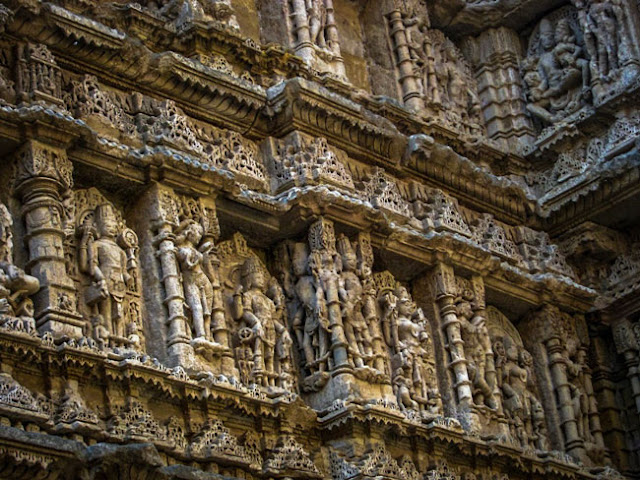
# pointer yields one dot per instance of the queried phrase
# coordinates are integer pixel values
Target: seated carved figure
(557, 77)
(15, 284)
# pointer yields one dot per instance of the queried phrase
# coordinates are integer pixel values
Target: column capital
(40, 160)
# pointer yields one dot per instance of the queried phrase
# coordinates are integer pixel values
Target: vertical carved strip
(445, 295)
(43, 173)
(408, 82)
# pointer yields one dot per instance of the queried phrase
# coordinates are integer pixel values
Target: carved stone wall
(319, 239)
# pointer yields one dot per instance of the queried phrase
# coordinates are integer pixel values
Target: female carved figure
(196, 276)
(106, 263)
(317, 17)
(405, 333)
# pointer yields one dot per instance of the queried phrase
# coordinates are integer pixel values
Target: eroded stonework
(320, 239)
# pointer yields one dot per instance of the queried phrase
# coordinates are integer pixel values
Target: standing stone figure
(317, 17)
(261, 334)
(196, 276)
(405, 331)
(105, 262)
(477, 347)
(602, 22)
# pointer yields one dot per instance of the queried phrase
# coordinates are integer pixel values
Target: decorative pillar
(445, 289)
(301, 33)
(409, 84)
(627, 346)
(43, 174)
(496, 56)
(546, 337)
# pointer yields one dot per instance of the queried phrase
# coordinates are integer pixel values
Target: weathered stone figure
(557, 76)
(404, 328)
(105, 262)
(264, 335)
(477, 347)
(317, 16)
(602, 22)
(351, 297)
(198, 289)
(15, 284)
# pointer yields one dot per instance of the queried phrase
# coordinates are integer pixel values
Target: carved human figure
(105, 262)
(370, 313)
(15, 284)
(317, 18)
(602, 22)
(258, 312)
(477, 347)
(310, 321)
(196, 276)
(576, 364)
(351, 298)
(557, 78)
(405, 331)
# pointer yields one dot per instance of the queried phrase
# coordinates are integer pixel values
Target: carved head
(524, 358)
(191, 232)
(405, 303)
(463, 309)
(547, 35)
(253, 274)
(563, 31)
(349, 258)
(106, 221)
(498, 349)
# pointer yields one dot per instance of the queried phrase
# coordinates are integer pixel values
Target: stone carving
(384, 193)
(314, 34)
(439, 75)
(104, 265)
(556, 69)
(516, 379)
(39, 78)
(603, 25)
(407, 333)
(491, 234)
(437, 210)
(478, 351)
(16, 399)
(133, 422)
(263, 350)
(88, 101)
(375, 463)
(187, 230)
(289, 459)
(16, 308)
(184, 13)
(215, 442)
(300, 161)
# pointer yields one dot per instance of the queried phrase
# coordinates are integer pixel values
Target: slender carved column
(301, 33)
(43, 173)
(445, 296)
(408, 82)
(627, 346)
(557, 364)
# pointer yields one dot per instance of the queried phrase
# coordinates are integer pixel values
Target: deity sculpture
(556, 74)
(576, 364)
(351, 296)
(105, 262)
(317, 16)
(197, 277)
(602, 22)
(262, 335)
(15, 284)
(477, 349)
(405, 331)
(519, 400)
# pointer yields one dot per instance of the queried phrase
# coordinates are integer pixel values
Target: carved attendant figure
(106, 263)
(194, 265)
